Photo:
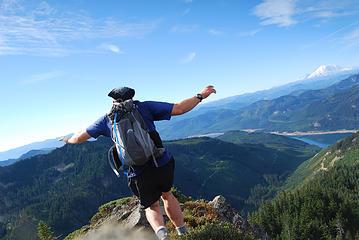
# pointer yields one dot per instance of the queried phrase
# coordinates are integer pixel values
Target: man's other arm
(77, 138)
(189, 103)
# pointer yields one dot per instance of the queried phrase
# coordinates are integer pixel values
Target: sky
(59, 59)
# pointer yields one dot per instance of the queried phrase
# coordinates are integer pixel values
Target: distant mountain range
(322, 77)
(17, 152)
(331, 108)
(29, 154)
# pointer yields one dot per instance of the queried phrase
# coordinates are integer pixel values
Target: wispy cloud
(347, 39)
(187, 1)
(44, 9)
(43, 30)
(41, 77)
(352, 38)
(215, 32)
(189, 57)
(184, 28)
(111, 47)
(278, 12)
(186, 11)
(249, 33)
(285, 13)
(330, 14)
(11, 6)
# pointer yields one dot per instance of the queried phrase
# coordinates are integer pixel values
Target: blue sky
(59, 59)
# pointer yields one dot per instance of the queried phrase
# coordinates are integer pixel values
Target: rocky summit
(125, 218)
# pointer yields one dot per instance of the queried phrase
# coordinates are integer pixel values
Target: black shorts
(152, 182)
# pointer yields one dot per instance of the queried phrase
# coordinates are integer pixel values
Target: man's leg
(154, 216)
(173, 209)
(174, 212)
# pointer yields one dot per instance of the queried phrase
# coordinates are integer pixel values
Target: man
(149, 182)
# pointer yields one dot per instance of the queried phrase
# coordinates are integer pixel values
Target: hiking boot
(166, 237)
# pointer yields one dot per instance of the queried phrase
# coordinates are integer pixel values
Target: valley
(268, 161)
(48, 187)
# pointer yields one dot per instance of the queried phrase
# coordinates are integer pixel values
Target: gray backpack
(133, 144)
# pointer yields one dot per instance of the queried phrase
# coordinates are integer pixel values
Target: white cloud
(184, 28)
(44, 9)
(278, 12)
(349, 39)
(285, 13)
(41, 77)
(249, 33)
(329, 14)
(352, 38)
(189, 58)
(11, 6)
(354, 35)
(111, 47)
(186, 11)
(215, 32)
(44, 31)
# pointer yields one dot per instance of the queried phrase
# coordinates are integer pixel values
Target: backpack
(133, 144)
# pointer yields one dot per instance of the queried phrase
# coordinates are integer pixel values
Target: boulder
(230, 215)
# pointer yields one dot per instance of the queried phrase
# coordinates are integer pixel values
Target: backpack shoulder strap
(118, 142)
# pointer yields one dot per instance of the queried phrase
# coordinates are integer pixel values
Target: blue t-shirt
(150, 111)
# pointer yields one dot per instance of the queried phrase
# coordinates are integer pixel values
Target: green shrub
(213, 231)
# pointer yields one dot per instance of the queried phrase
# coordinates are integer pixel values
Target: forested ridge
(345, 151)
(323, 202)
(325, 208)
(65, 188)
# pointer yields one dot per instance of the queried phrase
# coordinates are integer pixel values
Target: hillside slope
(326, 207)
(345, 151)
(65, 187)
(320, 200)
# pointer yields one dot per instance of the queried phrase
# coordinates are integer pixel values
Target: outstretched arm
(77, 138)
(189, 103)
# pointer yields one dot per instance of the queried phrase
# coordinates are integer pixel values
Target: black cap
(122, 93)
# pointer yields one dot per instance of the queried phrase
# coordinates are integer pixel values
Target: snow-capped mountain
(326, 70)
(322, 77)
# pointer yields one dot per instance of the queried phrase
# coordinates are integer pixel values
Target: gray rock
(130, 215)
(227, 213)
(230, 215)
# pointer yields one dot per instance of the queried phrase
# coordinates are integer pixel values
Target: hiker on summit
(153, 179)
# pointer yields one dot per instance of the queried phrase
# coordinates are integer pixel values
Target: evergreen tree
(44, 231)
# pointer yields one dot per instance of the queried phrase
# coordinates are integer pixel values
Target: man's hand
(65, 139)
(207, 91)
(77, 138)
(188, 104)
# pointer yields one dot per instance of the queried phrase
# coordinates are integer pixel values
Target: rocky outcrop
(230, 215)
(116, 219)
(129, 215)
